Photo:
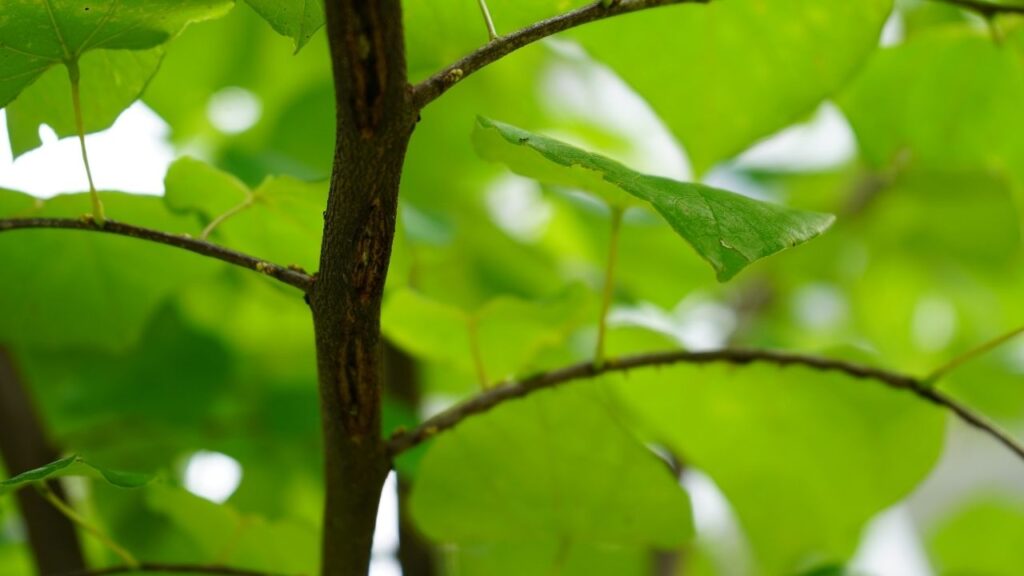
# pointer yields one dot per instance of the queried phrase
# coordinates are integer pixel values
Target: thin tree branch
(287, 275)
(487, 400)
(430, 89)
(986, 9)
(984, 348)
(161, 568)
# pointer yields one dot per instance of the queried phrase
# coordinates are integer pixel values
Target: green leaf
(42, 33)
(975, 125)
(982, 537)
(280, 221)
(223, 535)
(74, 466)
(776, 440)
(297, 19)
(506, 335)
(528, 472)
(725, 74)
(84, 288)
(111, 81)
(728, 230)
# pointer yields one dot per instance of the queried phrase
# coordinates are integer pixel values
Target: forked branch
(430, 89)
(495, 396)
(289, 276)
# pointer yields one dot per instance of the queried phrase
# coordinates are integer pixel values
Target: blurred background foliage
(905, 121)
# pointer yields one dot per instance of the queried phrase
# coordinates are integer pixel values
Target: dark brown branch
(986, 9)
(160, 568)
(287, 275)
(430, 89)
(511, 390)
(24, 445)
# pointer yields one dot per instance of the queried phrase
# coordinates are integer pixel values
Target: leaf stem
(76, 103)
(84, 524)
(205, 234)
(478, 357)
(609, 283)
(491, 32)
(944, 370)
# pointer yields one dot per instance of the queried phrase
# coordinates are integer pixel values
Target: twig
(156, 567)
(430, 89)
(492, 33)
(481, 403)
(986, 9)
(289, 276)
(945, 369)
(83, 523)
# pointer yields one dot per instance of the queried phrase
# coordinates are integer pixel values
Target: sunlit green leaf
(726, 74)
(279, 221)
(40, 34)
(981, 538)
(111, 81)
(495, 342)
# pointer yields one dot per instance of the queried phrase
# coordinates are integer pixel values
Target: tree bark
(24, 446)
(375, 121)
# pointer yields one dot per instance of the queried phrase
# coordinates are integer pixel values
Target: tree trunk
(24, 446)
(375, 121)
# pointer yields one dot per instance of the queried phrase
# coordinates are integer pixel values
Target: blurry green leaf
(111, 81)
(725, 74)
(728, 230)
(779, 440)
(567, 558)
(298, 19)
(528, 471)
(245, 541)
(974, 125)
(982, 538)
(507, 333)
(280, 221)
(74, 466)
(439, 32)
(84, 288)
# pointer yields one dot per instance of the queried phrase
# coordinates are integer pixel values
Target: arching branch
(289, 276)
(485, 401)
(986, 9)
(430, 89)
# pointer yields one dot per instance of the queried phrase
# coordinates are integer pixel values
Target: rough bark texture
(24, 446)
(416, 554)
(375, 121)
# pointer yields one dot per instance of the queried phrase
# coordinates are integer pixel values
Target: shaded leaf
(74, 466)
(297, 19)
(84, 288)
(806, 458)
(728, 230)
(528, 472)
